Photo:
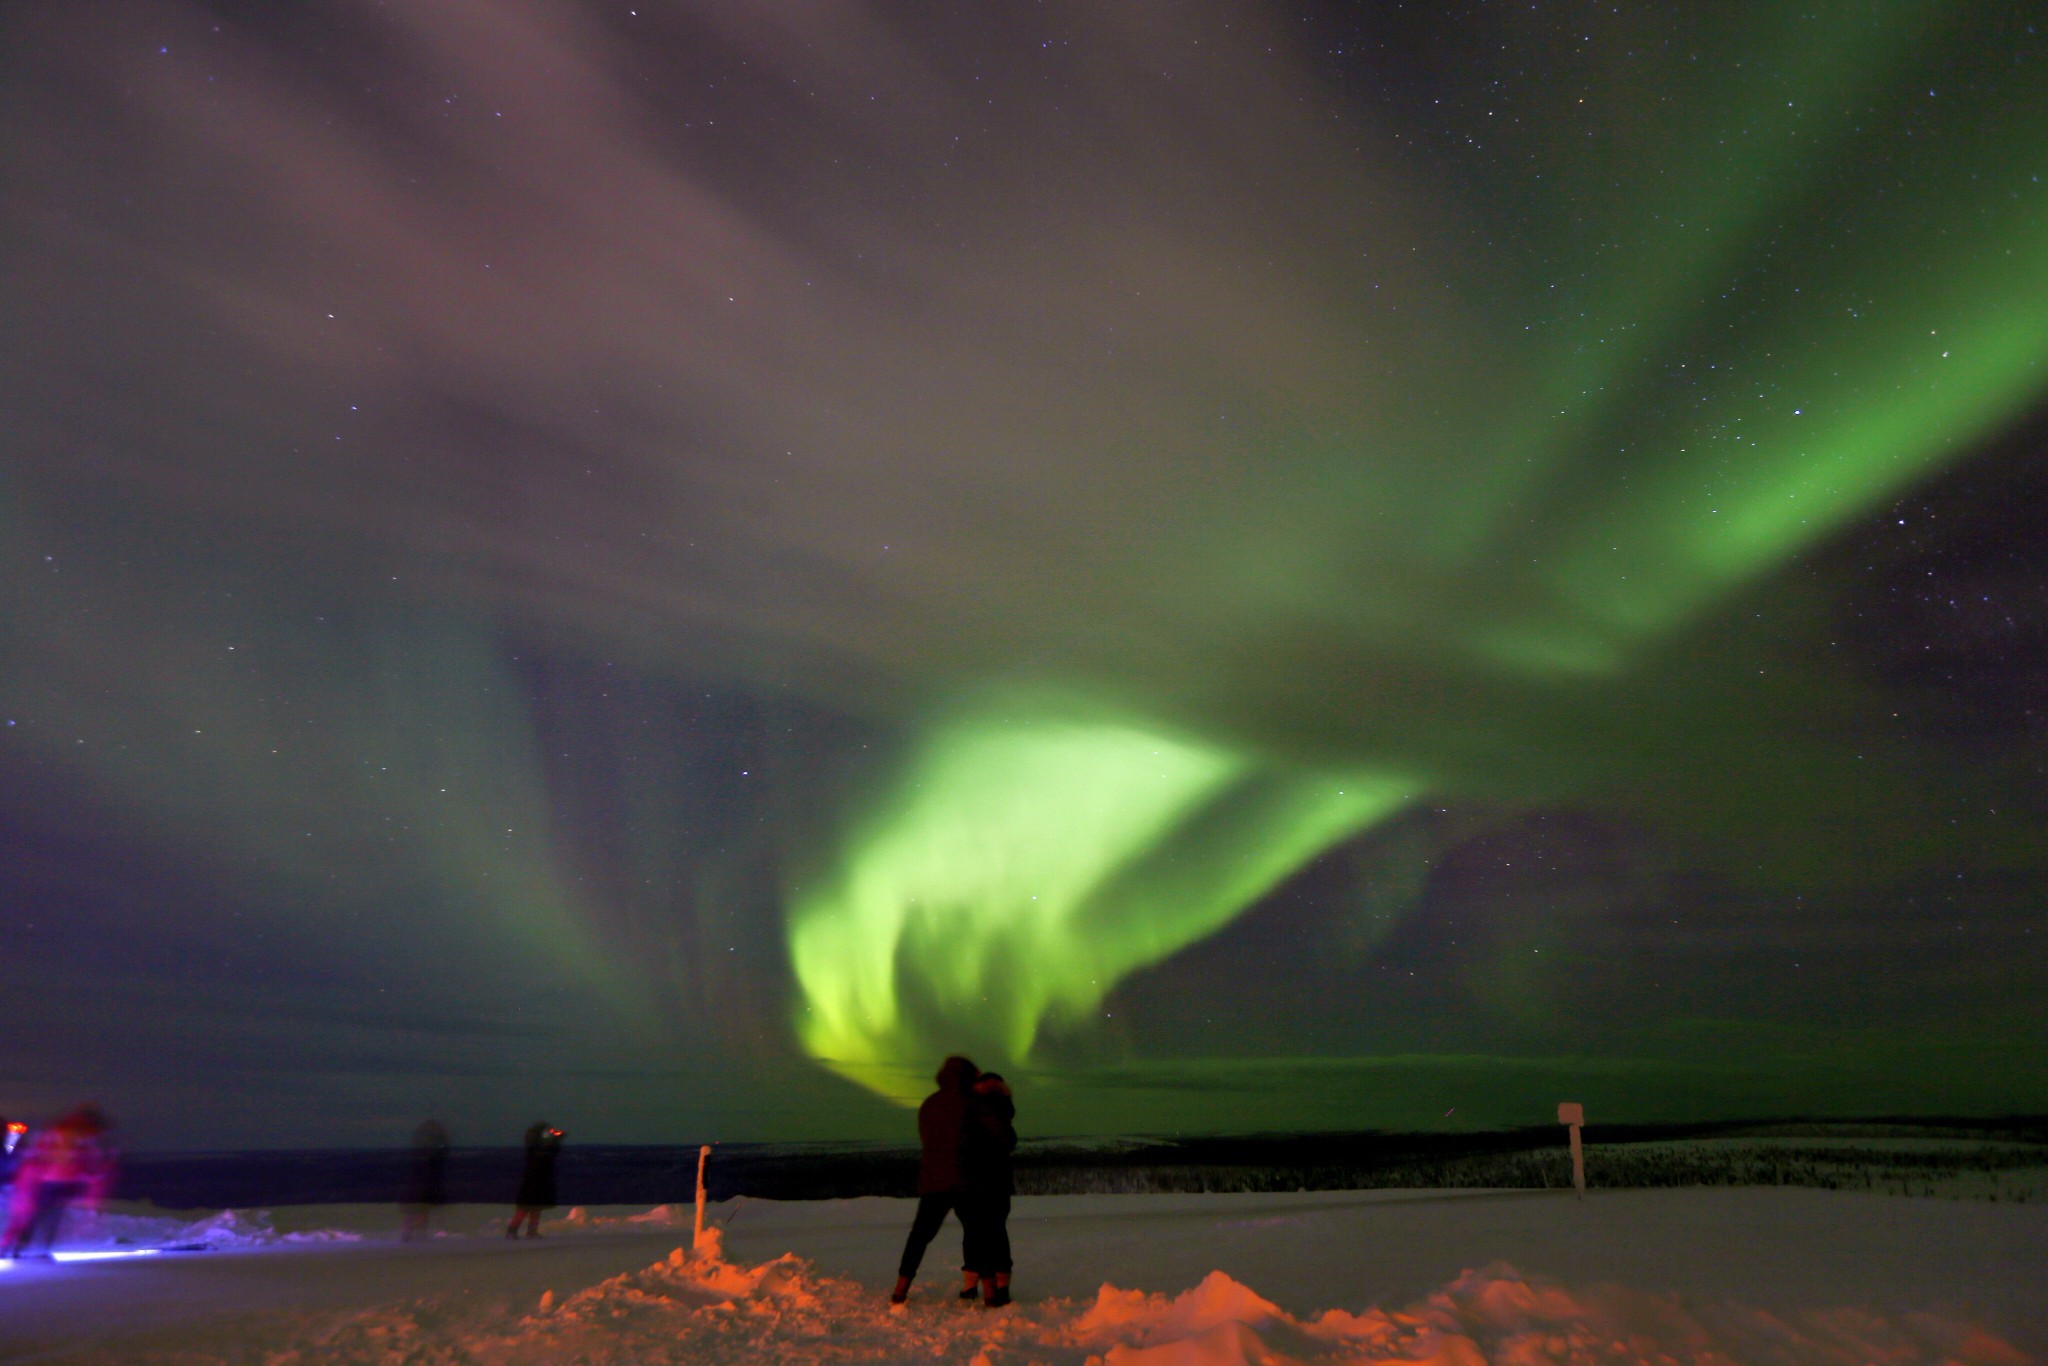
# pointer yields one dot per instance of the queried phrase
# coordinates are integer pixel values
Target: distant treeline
(1999, 1159)
(1607, 1167)
(1964, 1157)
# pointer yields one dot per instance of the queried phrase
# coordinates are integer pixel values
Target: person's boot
(901, 1292)
(970, 1289)
(998, 1295)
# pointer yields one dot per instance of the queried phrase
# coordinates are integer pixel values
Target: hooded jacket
(941, 1125)
(990, 1138)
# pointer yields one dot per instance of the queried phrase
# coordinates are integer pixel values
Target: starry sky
(1257, 566)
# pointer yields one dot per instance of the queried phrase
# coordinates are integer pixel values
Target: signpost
(704, 1153)
(1572, 1113)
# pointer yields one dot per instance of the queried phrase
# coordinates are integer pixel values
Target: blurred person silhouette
(537, 1181)
(941, 1179)
(429, 1188)
(13, 1137)
(988, 1139)
(13, 1147)
(63, 1163)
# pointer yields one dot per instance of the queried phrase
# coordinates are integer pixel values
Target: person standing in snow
(13, 1140)
(988, 1140)
(429, 1189)
(537, 1181)
(64, 1163)
(941, 1180)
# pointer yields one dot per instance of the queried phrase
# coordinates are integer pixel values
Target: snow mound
(251, 1228)
(668, 1216)
(579, 1219)
(1121, 1316)
(700, 1308)
(229, 1229)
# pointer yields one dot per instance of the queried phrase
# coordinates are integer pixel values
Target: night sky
(1256, 566)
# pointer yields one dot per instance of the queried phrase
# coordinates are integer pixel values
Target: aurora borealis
(1257, 565)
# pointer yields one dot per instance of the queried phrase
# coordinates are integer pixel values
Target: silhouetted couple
(968, 1130)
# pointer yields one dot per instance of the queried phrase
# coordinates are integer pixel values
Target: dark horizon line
(1668, 1128)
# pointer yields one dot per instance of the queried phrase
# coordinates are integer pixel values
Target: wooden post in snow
(703, 1153)
(1572, 1113)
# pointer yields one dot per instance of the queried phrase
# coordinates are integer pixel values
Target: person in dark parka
(941, 1181)
(988, 1140)
(537, 1180)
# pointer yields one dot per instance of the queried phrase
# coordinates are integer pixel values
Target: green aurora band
(1027, 868)
(471, 508)
(1718, 404)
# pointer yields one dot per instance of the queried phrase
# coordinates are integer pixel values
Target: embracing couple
(968, 1130)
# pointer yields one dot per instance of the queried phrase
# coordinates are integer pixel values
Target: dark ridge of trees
(1998, 1159)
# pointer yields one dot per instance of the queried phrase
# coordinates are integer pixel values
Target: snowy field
(1682, 1276)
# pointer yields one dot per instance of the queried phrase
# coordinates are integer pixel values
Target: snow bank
(229, 1229)
(704, 1309)
(580, 1219)
(245, 1229)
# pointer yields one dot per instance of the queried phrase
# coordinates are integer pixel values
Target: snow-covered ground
(1683, 1276)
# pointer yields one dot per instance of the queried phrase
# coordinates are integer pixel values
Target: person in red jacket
(64, 1163)
(941, 1177)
